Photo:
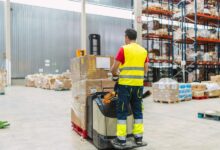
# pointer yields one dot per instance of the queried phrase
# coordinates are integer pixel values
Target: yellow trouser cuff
(121, 130)
(138, 129)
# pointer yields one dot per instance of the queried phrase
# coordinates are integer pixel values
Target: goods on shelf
(152, 5)
(151, 25)
(202, 33)
(2, 81)
(162, 31)
(49, 81)
(90, 67)
(215, 79)
(198, 89)
(190, 8)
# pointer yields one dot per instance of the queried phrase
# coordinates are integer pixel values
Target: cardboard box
(198, 87)
(86, 87)
(108, 85)
(198, 93)
(91, 67)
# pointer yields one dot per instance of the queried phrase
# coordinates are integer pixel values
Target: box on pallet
(166, 90)
(185, 91)
(198, 89)
(90, 67)
(84, 88)
(213, 89)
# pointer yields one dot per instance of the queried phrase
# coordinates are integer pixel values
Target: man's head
(130, 36)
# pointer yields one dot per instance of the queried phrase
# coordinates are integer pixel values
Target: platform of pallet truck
(130, 144)
(212, 115)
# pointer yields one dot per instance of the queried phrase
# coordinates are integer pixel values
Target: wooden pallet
(80, 131)
(215, 115)
(166, 102)
(200, 98)
(185, 100)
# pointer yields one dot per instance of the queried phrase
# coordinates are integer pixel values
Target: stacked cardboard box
(49, 81)
(89, 75)
(2, 81)
(198, 89)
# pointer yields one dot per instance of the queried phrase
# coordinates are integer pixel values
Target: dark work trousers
(129, 95)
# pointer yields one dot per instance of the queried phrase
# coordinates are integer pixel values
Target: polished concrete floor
(40, 120)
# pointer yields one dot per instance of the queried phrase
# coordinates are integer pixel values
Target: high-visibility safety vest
(132, 71)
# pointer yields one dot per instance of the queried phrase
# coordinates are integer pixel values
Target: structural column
(83, 25)
(8, 39)
(138, 20)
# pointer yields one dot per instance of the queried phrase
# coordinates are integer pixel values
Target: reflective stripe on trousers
(138, 128)
(121, 130)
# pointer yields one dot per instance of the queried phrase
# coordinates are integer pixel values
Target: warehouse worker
(132, 60)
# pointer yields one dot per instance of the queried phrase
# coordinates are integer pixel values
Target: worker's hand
(115, 77)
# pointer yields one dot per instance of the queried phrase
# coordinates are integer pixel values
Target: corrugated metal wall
(111, 31)
(115, 3)
(39, 34)
(2, 47)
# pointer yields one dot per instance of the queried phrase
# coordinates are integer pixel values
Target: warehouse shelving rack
(196, 19)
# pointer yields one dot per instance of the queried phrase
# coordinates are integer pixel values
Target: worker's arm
(145, 68)
(115, 67)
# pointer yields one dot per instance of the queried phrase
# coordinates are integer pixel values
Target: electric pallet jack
(102, 121)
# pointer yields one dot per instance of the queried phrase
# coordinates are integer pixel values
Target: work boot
(118, 142)
(138, 141)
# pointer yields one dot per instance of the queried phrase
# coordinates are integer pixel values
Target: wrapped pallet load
(89, 75)
(166, 90)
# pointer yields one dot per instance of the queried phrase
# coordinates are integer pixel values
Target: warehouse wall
(40, 33)
(115, 3)
(1, 33)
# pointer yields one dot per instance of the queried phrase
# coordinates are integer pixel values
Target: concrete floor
(40, 120)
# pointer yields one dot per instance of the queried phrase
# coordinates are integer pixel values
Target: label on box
(93, 90)
(103, 62)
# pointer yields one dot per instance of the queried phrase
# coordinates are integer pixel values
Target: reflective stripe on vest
(131, 77)
(132, 68)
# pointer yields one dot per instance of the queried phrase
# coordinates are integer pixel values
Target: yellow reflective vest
(132, 71)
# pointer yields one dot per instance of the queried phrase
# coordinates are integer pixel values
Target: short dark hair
(131, 34)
